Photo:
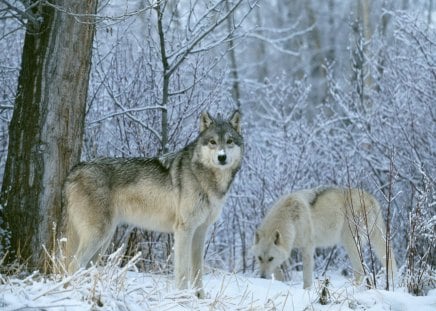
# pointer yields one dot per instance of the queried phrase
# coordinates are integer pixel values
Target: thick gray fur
(182, 192)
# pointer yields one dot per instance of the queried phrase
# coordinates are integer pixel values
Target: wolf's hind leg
(88, 247)
(378, 241)
(102, 250)
(352, 250)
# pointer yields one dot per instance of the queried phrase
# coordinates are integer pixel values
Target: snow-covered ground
(113, 288)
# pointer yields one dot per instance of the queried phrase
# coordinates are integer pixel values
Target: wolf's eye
(270, 259)
(260, 258)
(229, 141)
(212, 142)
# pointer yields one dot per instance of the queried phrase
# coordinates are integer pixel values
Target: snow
(114, 288)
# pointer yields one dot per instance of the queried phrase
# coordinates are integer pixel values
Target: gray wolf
(320, 217)
(182, 192)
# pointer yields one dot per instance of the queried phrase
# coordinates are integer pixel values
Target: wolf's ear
(277, 237)
(235, 121)
(205, 121)
(256, 237)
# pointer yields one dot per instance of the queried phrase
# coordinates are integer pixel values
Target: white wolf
(320, 217)
(182, 193)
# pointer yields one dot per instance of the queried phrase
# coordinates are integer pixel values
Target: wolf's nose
(222, 158)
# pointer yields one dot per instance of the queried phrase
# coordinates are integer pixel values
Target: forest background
(331, 92)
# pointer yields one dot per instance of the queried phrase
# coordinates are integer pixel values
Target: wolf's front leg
(197, 258)
(278, 274)
(307, 254)
(182, 257)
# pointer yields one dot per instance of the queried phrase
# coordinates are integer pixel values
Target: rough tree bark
(46, 130)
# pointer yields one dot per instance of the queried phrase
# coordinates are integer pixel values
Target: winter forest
(331, 92)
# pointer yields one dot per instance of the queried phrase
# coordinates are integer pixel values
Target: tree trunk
(364, 15)
(236, 94)
(46, 130)
(166, 79)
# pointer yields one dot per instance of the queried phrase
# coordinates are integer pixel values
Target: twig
(80, 273)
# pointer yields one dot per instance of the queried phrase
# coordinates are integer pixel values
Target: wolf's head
(269, 251)
(221, 141)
